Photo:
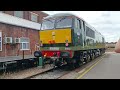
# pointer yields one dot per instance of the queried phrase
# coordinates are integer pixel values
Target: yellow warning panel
(58, 35)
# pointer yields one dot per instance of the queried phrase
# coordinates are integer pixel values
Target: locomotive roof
(61, 14)
(70, 14)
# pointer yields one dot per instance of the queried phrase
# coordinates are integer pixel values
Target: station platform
(106, 68)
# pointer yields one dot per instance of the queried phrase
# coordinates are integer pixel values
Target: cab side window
(77, 24)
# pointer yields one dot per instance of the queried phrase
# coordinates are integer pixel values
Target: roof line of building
(12, 20)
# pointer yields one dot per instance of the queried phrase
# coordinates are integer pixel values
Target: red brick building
(19, 30)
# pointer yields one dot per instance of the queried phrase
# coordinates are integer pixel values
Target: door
(83, 33)
(78, 32)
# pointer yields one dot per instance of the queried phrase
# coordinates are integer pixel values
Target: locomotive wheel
(78, 63)
(93, 56)
(87, 58)
(81, 60)
(73, 64)
(100, 53)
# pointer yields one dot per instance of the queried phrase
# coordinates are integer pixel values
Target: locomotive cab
(56, 35)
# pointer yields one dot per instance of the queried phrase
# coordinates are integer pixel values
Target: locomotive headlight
(45, 55)
(53, 41)
(66, 43)
(41, 43)
(49, 42)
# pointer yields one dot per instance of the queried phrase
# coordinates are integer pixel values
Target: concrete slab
(107, 68)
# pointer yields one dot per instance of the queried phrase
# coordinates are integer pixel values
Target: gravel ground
(24, 73)
(51, 75)
(64, 73)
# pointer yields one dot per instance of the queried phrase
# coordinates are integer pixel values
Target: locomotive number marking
(67, 49)
(54, 48)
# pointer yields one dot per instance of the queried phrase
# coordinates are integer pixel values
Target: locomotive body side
(77, 42)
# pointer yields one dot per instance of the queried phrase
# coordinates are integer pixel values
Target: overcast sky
(106, 22)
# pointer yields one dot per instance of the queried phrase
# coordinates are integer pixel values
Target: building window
(24, 43)
(0, 41)
(34, 17)
(18, 14)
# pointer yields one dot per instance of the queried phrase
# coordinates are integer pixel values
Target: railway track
(51, 71)
(82, 68)
(58, 73)
(39, 74)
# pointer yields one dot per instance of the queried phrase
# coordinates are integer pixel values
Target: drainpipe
(5, 44)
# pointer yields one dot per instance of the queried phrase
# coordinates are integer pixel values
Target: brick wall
(27, 14)
(17, 32)
(9, 12)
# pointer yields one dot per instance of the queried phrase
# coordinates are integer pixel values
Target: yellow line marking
(89, 68)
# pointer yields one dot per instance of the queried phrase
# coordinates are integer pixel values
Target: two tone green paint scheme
(80, 41)
(73, 48)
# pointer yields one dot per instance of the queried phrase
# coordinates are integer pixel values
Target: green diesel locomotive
(66, 38)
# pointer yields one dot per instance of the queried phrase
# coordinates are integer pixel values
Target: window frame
(21, 43)
(32, 13)
(90, 32)
(47, 28)
(56, 27)
(1, 41)
(18, 16)
(78, 22)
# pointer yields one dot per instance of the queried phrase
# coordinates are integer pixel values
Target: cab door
(78, 38)
(83, 33)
